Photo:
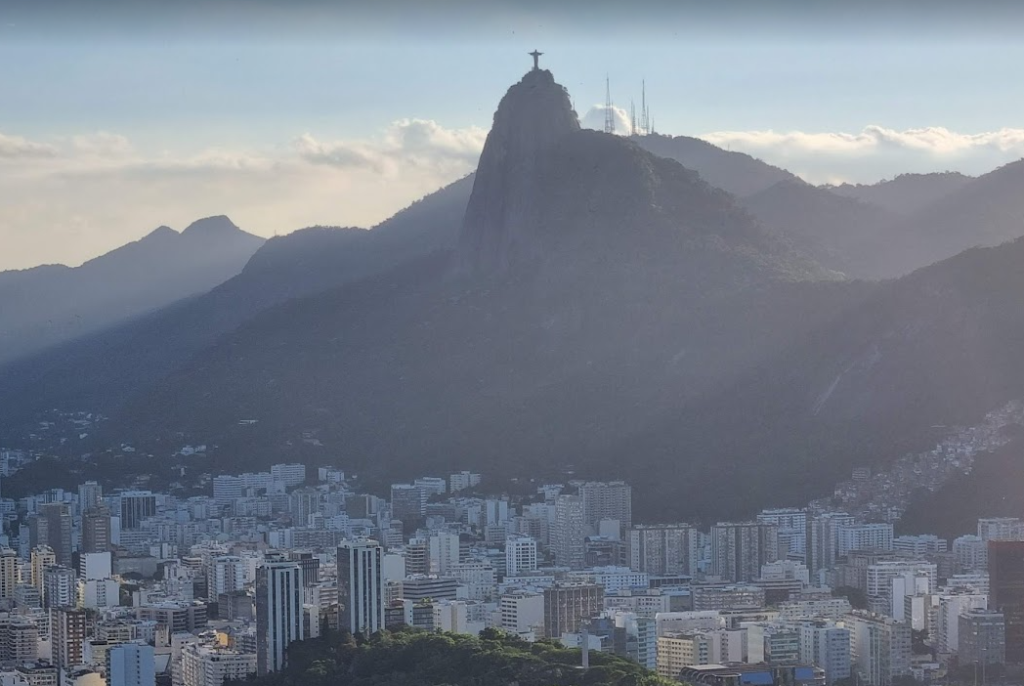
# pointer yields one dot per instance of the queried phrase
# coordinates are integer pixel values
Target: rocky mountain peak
(532, 116)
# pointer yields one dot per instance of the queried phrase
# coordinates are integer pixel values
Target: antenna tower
(645, 123)
(609, 114)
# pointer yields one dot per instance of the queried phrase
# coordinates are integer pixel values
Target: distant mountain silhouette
(868, 232)
(842, 233)
(735, 172)
(103, 369)
(907, 193)
(938, 347)
(48, 305)
(629, 286)
(584, 304)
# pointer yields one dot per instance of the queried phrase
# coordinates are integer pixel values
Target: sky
(120, 116)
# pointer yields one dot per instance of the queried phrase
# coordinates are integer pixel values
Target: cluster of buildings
(135, 588)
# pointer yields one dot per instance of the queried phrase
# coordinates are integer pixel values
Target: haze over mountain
(582, 303)
(907, 193)
(638, 280)
(50, 304)
(938, 347)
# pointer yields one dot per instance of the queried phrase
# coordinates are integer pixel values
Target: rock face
(532, 117)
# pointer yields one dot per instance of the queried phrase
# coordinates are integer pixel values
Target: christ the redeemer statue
(536, 56)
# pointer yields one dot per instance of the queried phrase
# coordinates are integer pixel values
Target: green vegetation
(419, 658)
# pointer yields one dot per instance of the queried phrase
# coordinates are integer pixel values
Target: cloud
(15, 147)
(937, 141)
(594, 119)
(876, 151)
(408, 142)
(75, 197)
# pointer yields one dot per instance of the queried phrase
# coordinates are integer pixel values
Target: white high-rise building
(226, 489)
(288, 474)
(664, 549)
(442, 552)
(463, 480)
(880, 647)
(225, 574)
(924, 544)
(360, 587)
(10, 565)
(520, 555)
(60, 587)
(1001, 529)
(212, 665)
(522, 613)
(612, 500)
(970, 553)
(792, 524)
(880, 577)
(41, 558)
(951, 606)
(738, 550)
(826, 645)
(279, 611)
(822, 542)
(569, 533)
(93, 566)
(98, 593)
(131, 664)
(432, 485)
(863, 537)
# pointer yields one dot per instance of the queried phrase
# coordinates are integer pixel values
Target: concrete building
(822, 540)
(226, 574)
(864, 537)
(664, 549)
(678, 651)
(131, 664)
(41, 558)
(520, 555)
(226, 489)
(566, 606)
(879, 647)
(442, 552)
(56, 520)
(136, 506)
(19, 638)
(96, 531)
(279, 612)
(291, 475)
(738, 550)
(95, 566)
(1001, 529)
(880, 588)
(569, 532)
(1006, 591)
(982, 638)
(522, 613)
(69, 628)
(10, 568)
(773, 643)
(408, 503)
(360, 587)
(60, 587)
(970, 553)
(607, 501)
(827, 645)
(212, 665)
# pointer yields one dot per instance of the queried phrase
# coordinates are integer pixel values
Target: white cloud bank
(876, 152)
(69, 199)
